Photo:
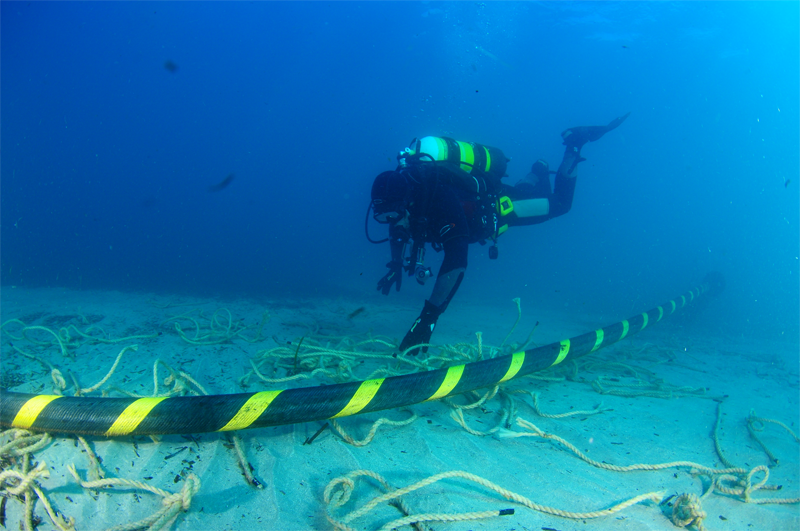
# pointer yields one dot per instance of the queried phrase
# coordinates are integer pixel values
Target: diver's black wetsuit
(450, 218)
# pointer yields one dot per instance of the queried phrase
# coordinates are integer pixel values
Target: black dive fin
(577, 136)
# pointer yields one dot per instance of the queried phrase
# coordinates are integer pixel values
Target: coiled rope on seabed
(112, 417)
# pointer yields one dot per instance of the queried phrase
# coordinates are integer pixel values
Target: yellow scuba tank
(471, 157)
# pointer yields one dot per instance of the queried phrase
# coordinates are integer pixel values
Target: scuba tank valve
(402, 156)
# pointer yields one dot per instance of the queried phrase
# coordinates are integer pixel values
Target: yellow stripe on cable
(645, 319)
(599, 341)
(562, 352)
(27, 414)
(366, 391)
(625, 327)
(517, 359)
(133, 415)
(660, 313)
(451, 379)
(251, 410)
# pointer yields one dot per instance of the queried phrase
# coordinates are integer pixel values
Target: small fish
(222, 184)
(356, 312)
(786, 183)
(170, 66)
(624, 45)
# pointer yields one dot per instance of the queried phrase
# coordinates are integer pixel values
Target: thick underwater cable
(191, 414)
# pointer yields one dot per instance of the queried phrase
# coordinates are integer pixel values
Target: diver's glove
(576, 137)
(422, 329)
(394, 276)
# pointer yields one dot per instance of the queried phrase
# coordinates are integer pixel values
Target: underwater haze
(229, 148)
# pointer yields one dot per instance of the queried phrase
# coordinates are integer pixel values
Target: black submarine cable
(113, 417)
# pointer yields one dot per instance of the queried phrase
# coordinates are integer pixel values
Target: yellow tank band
(467, 156)
(442, 153)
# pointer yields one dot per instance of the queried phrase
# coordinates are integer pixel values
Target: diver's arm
(398, 237)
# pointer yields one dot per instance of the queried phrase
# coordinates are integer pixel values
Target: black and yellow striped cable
(199, 414)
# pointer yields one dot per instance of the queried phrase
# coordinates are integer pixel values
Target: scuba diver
(449, 194)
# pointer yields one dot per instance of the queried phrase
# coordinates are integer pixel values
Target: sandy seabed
(657, 397)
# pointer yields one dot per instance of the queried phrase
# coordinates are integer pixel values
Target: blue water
(107, 155)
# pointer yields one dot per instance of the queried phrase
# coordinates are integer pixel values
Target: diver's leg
(569, 164)
(447, 282)
(530, 207)
(535, 184)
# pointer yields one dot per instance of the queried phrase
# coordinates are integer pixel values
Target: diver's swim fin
(576, 137)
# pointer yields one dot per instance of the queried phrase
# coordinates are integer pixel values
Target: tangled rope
(21, 482)
(687, 511)
(172, 504)
(339, 490)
